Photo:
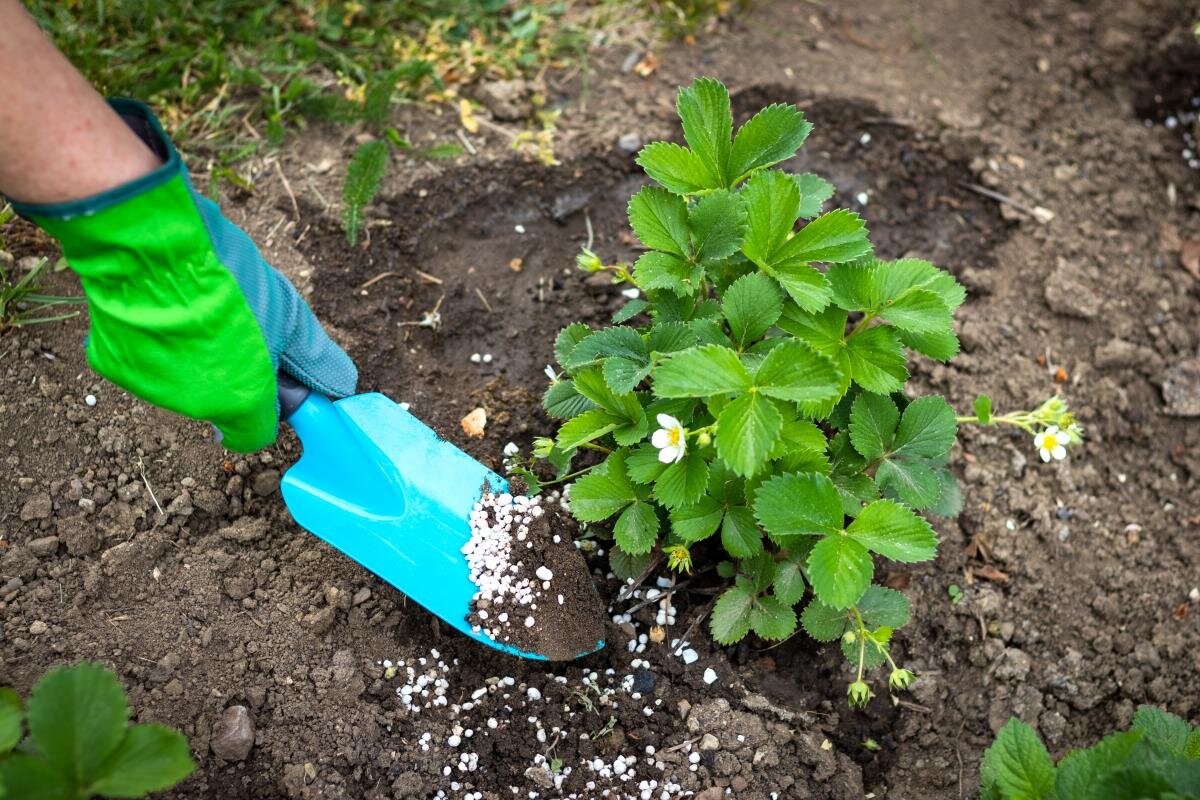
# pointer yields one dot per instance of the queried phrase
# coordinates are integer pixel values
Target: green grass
(229, 77)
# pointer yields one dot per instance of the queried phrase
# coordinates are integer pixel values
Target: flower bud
(900, 679)
(849, 637)
(542, 447)
(679, 558)
(703, 439)
(589, 261)
(859, 694)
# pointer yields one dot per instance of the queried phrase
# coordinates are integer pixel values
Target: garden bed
(1074, 578)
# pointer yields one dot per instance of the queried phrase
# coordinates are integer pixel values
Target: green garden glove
(184, 311)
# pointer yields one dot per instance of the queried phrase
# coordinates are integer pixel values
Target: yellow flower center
(673, 436)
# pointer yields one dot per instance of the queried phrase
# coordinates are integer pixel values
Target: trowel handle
(292, 394)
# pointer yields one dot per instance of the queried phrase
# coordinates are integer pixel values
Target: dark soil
(1075, 576)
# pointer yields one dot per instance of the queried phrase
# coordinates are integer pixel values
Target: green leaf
(636, 530)
(630, 310)
(803, 283)
(894, 532)
(798, 505)
(718, 223)
(873, 420)
(823, 623)
(894, 278)
(1163, 728)
(882, 607)
(840, 570)
(731, 615)
(1082, 771)
(1192, 749)
(567, 339)
(871, 655)
(364, 176)
(590, 383)
(635, 425)
(983, 409)
(814, 191)
(927, 429)
(751, 304)
(794, 371)
(623, 375)
(562, 401)
(940, 346)
(772, 135)
(876, 360)
(918, 311)
(682, 484)
(772, 618)
(642, 464)
(832, 238)
(789, 581)
(658, 270)
(626, 566)
(618, 340)
(853, 286)
(151, 758)
(913, 481)
(696, 522)
(949, 501)
(660, 220)
(24, 777)
(10, 720)
(674, 167)
(746, 430)
(670, 337)
(700, 372)
(772, 200)
(856, 491)
(586, 427)
(77, 717)
(739, 533)
(603, 492)
(708, 127)
(1017, 764)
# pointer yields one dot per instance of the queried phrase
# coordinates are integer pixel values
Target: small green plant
(759, 396)
(22, 303)
(1157, 759)
(79, 742)
(684, 18)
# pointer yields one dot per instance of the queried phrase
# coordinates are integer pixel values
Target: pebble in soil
(535, 592)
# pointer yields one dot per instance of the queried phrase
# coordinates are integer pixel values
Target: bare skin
(59, 140)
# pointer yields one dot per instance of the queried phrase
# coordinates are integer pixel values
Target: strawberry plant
(752, 391)
(79, 742)
(1158, 757)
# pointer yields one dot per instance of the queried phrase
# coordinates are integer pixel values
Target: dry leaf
(467, 116)
(991, 574)
(515, 264)
(1189, 257)
(1168, 238)
(474, 423)
(647, 66)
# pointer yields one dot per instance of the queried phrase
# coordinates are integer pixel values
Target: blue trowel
(382, 487)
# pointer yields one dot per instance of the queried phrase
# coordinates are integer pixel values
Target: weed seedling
(752, 391)
(79, 742)
(22, 303)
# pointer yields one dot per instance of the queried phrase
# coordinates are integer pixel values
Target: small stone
(90, 399)
(246, 529)
(361, 596)
(1067, 293)
(266, 483)
(174, 687)
(38, 628)
(710, 675)
(544, 573)
(541, 776)
(644, 680)
(690, 656)
(630, 142)
(710, 742)
(738, 783)
(1180, 389)
(44, 546)
(507, 100)
(39, 506)
(233, 735)
(238, 586)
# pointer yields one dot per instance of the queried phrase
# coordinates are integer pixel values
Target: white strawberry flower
(670, 439)
(1052, 443)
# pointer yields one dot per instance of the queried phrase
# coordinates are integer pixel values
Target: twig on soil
(666, 594)
(287, 187)
(958, 755)
(483, 300)
(692, 627)
(462, 137)
(142, 471)
(1042, 215)
(325, 203)
(587, 220)
(628, 591)
(681, 745)
(372, 281)
(429, 278)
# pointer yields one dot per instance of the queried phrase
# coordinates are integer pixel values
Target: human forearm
(59, 140)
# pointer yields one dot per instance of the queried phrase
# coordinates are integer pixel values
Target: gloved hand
(184, 311)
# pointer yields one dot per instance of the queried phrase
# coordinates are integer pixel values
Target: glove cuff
(145, 125)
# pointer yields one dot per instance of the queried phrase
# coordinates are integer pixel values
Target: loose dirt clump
(535, 592)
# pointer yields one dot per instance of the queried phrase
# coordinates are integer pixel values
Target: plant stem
(575, 474)
(862, 323)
